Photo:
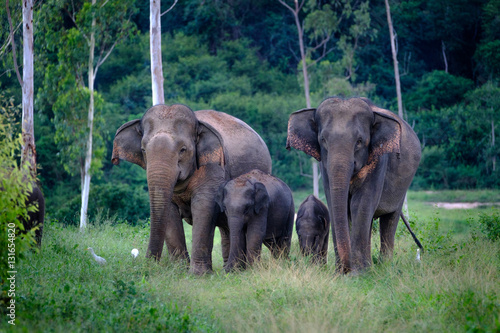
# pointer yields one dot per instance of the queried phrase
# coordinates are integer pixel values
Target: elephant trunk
(308, 244)
(162, 176)
(238, 246)
(339, 192)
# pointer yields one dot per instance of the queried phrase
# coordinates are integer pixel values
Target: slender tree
(320, 23)
(155, 50)
(88, 155)
(394, 59)
(28, 155)
(396, 78)
(324, 38)
(97, 26)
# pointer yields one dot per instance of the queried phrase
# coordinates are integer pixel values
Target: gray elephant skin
(313, 228)
(187, 156)
(368, 157)
(36, 218)
(260, 210)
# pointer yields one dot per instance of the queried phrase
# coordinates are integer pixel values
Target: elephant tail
(411, 232)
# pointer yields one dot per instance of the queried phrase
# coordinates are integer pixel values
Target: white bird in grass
(135, 253)
(418, 255)
(100, 260)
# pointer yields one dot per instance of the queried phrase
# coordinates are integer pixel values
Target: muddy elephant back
(244, 149)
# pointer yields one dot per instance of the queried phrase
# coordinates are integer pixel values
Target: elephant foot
(200, 268)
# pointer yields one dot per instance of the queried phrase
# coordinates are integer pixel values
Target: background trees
(236, 56)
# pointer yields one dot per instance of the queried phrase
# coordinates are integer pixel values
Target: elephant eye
(182, 151)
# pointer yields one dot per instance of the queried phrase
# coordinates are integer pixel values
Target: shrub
(489, 224)
(122, 202)
(14, 188)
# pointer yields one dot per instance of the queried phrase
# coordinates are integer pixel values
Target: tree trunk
(394, 60)
(155, 50)
(29, 151)
(443, 50)
(88, 156)
(493, 158)
(300, 32)
(396, 78)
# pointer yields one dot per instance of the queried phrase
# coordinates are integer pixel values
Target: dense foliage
(15, 185)
(241, 57)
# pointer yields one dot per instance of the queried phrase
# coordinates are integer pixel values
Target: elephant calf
(260, 210)
(313, 228)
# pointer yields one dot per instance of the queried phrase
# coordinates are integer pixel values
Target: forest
(242, 57)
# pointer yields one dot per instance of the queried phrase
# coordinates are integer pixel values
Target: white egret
(135, 253)
(100, 260)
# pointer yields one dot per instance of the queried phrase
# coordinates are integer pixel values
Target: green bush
(489, 224)
(14, 188)
(122, 202)
(438, 89)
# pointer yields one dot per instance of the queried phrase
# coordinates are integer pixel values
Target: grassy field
(454, 288)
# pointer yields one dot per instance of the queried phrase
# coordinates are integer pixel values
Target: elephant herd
(211, 169)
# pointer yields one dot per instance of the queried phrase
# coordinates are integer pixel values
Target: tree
(396, 78)
(28, 156)
(95, 28)
(394, 60)
(316, 40)
(323, 35)
(155, 50)
(486, 105)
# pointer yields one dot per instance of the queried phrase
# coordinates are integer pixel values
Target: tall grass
(454, 288)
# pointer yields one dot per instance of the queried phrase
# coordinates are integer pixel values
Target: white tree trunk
(394, 59)
(88, 156)
(398, 83)
(29, 152)
(155, 50)
(494, 158)
(300, 32)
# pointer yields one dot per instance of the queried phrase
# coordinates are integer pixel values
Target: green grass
(455, 196)
(455, 287)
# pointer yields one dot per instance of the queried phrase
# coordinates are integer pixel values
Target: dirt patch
(462, 205)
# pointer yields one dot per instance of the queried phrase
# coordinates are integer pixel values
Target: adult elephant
(187, 156)
(368, 159)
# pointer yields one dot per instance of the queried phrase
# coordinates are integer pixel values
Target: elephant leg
(323, 253)
(363, 205)
(388, 226)
(175, 239)
(361, 237)
(225, 243)
(279, 247)
(326, 185)
(286, 241)
(203, 211)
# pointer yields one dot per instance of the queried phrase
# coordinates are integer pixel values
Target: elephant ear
(303, 133)
(324, 222)
(209, 148)
(261, 199)
(127, 144)
(386, 132)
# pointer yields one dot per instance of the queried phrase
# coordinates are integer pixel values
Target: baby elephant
(313, 228)
(259, 209)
